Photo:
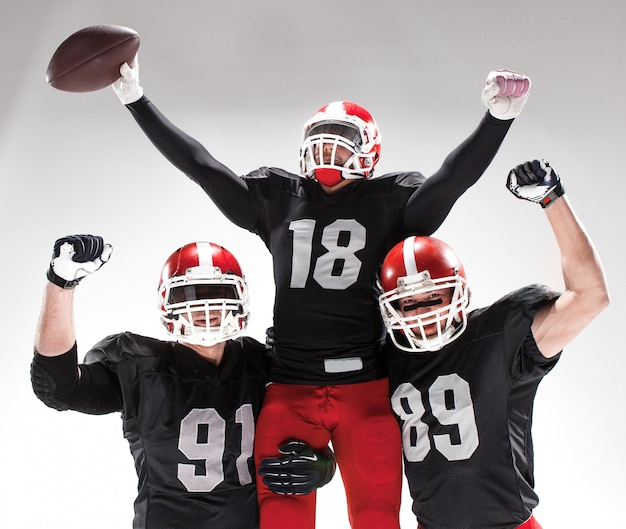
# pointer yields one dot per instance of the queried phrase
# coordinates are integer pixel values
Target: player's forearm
(183, 151)
(224, 187)
(431, 203)
(55, 333)
(586, 293)
(465, 165)
(583, 273)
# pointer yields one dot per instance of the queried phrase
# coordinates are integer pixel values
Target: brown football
(90, 59)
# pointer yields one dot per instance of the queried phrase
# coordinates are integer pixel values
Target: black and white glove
(75, 257)
(505, 93)
(127, 87)
(300, 470)
(535, 181)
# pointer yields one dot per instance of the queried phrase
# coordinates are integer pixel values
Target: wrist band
(59, 281)
(555, 193)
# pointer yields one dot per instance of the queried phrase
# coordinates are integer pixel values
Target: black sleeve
(228, 191)
(530, 349)
(433, 200)
(57, 383)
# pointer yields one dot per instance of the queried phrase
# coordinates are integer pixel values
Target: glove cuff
(59, 281)
(133, 97)
(556, 192)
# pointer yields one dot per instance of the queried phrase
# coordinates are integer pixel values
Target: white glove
(127, 87)
(535, 181)
(505, 93)
(75, 257)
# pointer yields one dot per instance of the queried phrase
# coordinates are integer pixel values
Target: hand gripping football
(90, 59)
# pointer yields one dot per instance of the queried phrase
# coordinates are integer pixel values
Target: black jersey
(190, 425)
(327, 249)
(466, 414)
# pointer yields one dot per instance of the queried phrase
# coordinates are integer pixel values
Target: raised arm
(73, 258)
(56, 377)
(504, 94)
(226, 189)
(586, 293)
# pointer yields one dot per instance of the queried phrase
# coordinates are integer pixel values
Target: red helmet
(417, 266)
(203, 296)
(340, 124)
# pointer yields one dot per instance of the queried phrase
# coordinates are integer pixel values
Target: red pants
(365, 436)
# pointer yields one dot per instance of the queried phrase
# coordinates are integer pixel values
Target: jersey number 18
(339, 267)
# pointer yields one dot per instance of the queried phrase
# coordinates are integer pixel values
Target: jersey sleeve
(61, 383)
(527, 362)
(228, 191)
(432, 201)
(532, 352)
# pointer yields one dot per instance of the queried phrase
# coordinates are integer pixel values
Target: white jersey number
(202, 438)
(339, 267)
(451, 403)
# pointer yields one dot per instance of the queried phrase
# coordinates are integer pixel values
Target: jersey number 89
(451, 404)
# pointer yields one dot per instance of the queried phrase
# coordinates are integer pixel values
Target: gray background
(242, 76)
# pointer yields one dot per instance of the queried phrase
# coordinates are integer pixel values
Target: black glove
(75, 257)
(270, 340)
(535, 181)
(299, 471)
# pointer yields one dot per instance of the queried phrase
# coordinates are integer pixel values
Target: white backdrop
(243, 76)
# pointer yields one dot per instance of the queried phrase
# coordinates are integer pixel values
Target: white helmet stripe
(409, 256)
(336, 108)
(205, 256)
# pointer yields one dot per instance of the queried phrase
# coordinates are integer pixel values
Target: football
(90, 59)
